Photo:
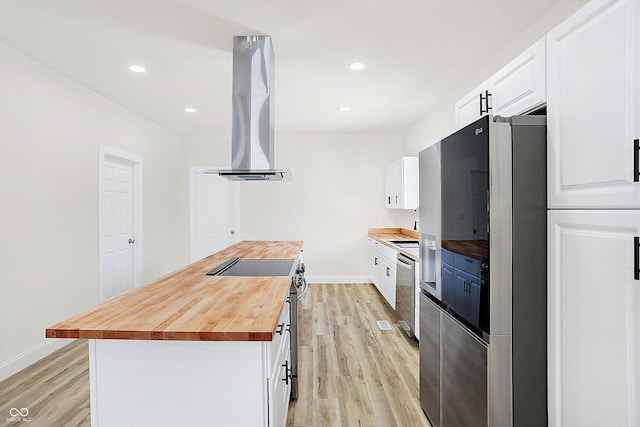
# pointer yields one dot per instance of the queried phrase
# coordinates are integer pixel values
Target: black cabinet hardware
(280, 329)
(485, 98)
(286, 372)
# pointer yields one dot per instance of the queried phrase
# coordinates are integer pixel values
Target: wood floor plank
(55, 390)
(362, 376)
(350, 372)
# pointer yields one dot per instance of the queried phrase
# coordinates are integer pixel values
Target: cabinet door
(593, 318)
(280, 391)
(416, 299)
(372, 259)
(593, 109)
(472, 300)
(448, 284)
(460, 285)
(521, 85)
(409, 194)
(472, 106)
(393, 184)
(390, 286)
(388, 282)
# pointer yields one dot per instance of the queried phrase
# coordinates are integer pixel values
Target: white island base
(198, 383)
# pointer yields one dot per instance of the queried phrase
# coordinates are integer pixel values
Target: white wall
(50, 132)
(337, 192)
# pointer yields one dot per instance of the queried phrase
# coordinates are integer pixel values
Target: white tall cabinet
(593, 82)
(594, 318)
(594, 106)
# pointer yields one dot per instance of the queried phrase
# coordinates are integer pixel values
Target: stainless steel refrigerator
(483, 281)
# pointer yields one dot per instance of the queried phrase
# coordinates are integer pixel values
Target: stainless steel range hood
(252, 113)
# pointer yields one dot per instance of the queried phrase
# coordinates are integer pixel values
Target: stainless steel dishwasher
(405, 294)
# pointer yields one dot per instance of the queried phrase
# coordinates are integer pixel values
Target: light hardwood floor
(351, 372)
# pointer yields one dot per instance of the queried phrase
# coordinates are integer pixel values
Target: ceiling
(416, 51)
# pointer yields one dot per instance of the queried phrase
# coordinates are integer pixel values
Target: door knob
(233, 232)
(132, 241)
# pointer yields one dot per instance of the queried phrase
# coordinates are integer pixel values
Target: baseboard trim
(338, 279)
(31, 356)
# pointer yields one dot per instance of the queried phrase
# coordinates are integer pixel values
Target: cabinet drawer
(388, 253)
(447, 257)
(467, 264)
(280, 343)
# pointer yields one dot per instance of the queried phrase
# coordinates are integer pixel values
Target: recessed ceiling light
(137, 68)
(357, 66)
(344, 109)
(190, 109)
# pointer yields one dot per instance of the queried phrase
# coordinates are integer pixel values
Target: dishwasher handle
(405, 262)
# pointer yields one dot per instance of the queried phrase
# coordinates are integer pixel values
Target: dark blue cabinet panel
(473, 300)
(448, 284)
(461, 285)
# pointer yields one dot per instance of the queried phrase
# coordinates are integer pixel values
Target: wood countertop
(478, 249)
(385, 235)
(189, 305)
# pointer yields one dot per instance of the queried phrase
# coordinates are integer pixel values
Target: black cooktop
(254, 267)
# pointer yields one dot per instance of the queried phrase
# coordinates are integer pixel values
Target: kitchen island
(192, 349)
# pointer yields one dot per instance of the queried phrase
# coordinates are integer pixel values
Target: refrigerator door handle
(636, 256)
(636, 160)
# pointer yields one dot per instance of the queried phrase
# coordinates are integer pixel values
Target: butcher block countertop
(478, 249)
(385, 235)
(189, 305)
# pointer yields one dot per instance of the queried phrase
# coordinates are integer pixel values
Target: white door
(117, 217)
(213, 213)
(594, 318)
(593, 109)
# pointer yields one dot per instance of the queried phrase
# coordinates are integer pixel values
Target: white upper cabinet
(401, 184)
(473, 105)
(593, 110)
(521, 85)
(518, 88)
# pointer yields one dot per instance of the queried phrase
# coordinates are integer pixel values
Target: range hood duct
(252, 112)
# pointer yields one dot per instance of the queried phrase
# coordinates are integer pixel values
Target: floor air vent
(383, 325)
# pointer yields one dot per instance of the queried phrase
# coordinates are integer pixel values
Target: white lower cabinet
(280, 390)
(388, 281)
(382, 269)
(594, 318)
(372, 260)
(416, 301)
(197, 383)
